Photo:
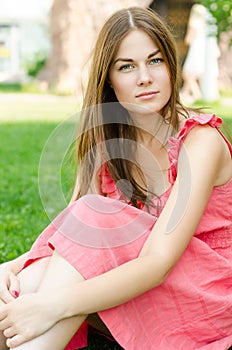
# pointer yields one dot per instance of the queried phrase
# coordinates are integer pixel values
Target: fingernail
(15, 293)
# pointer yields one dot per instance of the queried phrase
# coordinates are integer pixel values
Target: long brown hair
(104, 119)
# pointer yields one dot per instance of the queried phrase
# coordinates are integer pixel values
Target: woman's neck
(150, 127)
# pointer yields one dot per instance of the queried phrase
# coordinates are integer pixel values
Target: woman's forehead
(136, 42)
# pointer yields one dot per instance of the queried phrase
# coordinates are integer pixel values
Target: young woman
(144, 250)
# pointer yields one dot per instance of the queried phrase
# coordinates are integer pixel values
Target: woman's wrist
(71, 301)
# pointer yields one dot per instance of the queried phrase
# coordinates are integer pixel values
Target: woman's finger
(5, 295)
(16, 340)
(9, 332)
(4, 322)
(14, 286)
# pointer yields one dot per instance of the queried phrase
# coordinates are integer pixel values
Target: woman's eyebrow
(131, 60)
(123, 59)
(153, 53)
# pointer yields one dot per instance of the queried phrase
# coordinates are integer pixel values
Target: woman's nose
(144, 76)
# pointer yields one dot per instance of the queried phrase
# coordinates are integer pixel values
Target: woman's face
(139, 75)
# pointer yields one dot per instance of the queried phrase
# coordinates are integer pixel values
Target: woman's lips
(147, 95)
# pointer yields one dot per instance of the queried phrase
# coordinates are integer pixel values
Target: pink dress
(192, 309)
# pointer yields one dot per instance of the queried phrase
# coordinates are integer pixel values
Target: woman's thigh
(2, 338)
(59, 272)
(49, 272)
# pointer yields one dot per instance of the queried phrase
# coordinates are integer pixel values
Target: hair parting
(131, 21)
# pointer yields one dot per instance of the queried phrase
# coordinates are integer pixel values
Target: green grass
(22, 214)
(6, 88)
(25, 128)
(32, 87)
(222, 108)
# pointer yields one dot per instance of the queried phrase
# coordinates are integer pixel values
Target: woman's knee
(31, 276)
(48, 272)
(59, 272)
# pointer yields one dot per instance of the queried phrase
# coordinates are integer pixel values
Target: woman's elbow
(160, 268)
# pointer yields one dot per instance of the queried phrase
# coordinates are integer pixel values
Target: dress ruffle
(175, 143)
(108, 185)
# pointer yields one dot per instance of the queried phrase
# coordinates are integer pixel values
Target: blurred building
(23, 33)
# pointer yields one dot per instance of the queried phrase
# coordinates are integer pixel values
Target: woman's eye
(156, 60)
(126, 67)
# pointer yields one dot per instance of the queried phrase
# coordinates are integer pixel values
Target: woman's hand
(27, 317)
(9, 283)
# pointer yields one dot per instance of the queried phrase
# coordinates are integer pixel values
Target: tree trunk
(74, 25)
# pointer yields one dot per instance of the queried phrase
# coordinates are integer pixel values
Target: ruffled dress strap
(108, 186)
(201, 119)
(175, 142)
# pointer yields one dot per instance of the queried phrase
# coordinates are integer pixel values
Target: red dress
(192, 309)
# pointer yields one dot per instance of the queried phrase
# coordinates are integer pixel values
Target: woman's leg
(30, 277)
(2, 338)
(58, 273)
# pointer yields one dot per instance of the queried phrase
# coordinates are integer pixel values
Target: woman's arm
(201, 165)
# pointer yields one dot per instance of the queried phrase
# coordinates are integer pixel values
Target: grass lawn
(25, 127)
(222, 108)
(36, 173)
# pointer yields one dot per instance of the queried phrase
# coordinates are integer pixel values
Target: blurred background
(24, 37)
(48, 42)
